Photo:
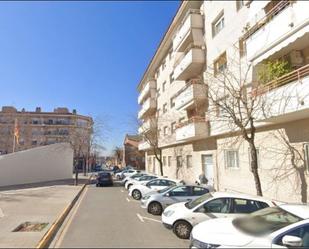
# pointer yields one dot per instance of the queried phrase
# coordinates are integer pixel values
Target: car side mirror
(292, 241)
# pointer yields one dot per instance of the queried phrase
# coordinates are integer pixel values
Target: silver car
(157, 202)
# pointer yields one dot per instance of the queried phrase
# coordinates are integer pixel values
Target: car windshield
(198, 201)
(265, 221)
(165, 189)
(136, 176)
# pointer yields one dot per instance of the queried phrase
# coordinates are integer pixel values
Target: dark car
(104, 179)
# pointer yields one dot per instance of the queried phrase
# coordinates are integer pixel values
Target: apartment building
(38, 128)
(251, 40)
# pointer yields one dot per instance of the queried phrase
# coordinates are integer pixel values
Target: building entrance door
(207, 164)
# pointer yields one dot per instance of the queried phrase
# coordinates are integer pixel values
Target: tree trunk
(76, 172)
(254, 167)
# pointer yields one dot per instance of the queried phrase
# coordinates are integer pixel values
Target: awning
(281, 43)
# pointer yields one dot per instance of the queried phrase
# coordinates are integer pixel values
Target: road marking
(70, 219)
(128, 200)
(140, 217)
(1, 213)
(143, 218)
(122, 191)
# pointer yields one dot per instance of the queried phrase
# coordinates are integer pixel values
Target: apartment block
(38, 128)
(264, 47)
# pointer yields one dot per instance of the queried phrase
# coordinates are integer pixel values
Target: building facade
(131, 155)
(39, 128)
(250, 40)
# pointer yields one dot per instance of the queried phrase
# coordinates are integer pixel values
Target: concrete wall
(45, 163)
(279, 179)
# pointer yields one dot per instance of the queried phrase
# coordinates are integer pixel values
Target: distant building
(131, 155)
(37, 128)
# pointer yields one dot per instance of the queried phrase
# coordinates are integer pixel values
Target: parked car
(284, 226)
(124, 173)
(181, 217)
(156, 203)
(139, 180)
(130, 177)
(137, 191)
(104, 179)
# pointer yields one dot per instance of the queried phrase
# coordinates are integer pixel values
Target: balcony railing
(266, 18)
(150, 86)
(144, 145)
(295, 75)
(149, 105)
(192, 93)
(194, 119)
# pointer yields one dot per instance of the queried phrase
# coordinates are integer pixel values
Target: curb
(49, 235)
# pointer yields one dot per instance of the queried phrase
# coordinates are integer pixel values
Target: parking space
(108, 217)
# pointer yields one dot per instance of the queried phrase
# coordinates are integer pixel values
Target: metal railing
(295, 75)
(267, 18)
(194, 119)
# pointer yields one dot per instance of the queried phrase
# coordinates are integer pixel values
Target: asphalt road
(106, 217)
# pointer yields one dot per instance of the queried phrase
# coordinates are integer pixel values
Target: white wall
(45, 163)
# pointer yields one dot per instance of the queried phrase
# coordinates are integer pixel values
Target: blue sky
(83, 55)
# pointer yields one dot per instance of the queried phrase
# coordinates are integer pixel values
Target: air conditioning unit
(296, 58)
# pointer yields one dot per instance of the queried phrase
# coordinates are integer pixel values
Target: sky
(88, 56)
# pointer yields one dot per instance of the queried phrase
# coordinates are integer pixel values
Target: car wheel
(155, 208)
(136, 194)
(182, 229)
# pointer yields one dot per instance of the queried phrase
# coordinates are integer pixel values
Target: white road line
(146, 218)
(121, 190)
(128, 200)
(140, 217)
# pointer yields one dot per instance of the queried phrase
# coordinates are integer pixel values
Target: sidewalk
(41, 204)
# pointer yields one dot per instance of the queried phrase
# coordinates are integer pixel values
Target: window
(173, 127)
(306, 149)
(258, 157)
(221, 205)
(220, 64)
(163, 86)
(158, 73)
(181, 191)
(244, 206)
(181, 120)
(154, 161)
(218, 24)
(171, 78)
(163, 65)
(34, 142)
(239, 4)
(164, 161)
(172, 102)
(169, 161)
(231, 159)
(301, 232)
(199, 191)
(189, 161)
(165, 130)
(165, 108)
(242, 48)
(179, 161)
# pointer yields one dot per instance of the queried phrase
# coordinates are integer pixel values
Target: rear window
(104, 174)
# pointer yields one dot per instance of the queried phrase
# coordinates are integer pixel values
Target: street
(106, 217)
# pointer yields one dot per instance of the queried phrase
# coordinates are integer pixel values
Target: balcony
(148, 107)
(189, 65)
(148, 90)
(279, 27)
(145, 127)
(191, 31)
(144, 146)
(193, 129)
(190, 96)
(286, 98)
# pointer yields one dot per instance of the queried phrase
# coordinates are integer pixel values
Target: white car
(182, 217)
(140, 190)
(284, 226)
(139, 180)
(134, 176)
(126, 173)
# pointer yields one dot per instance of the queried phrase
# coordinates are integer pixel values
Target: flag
(16, 132)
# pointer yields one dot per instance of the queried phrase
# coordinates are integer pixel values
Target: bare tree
(291, 162)
(118, 153)
(231, 106)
